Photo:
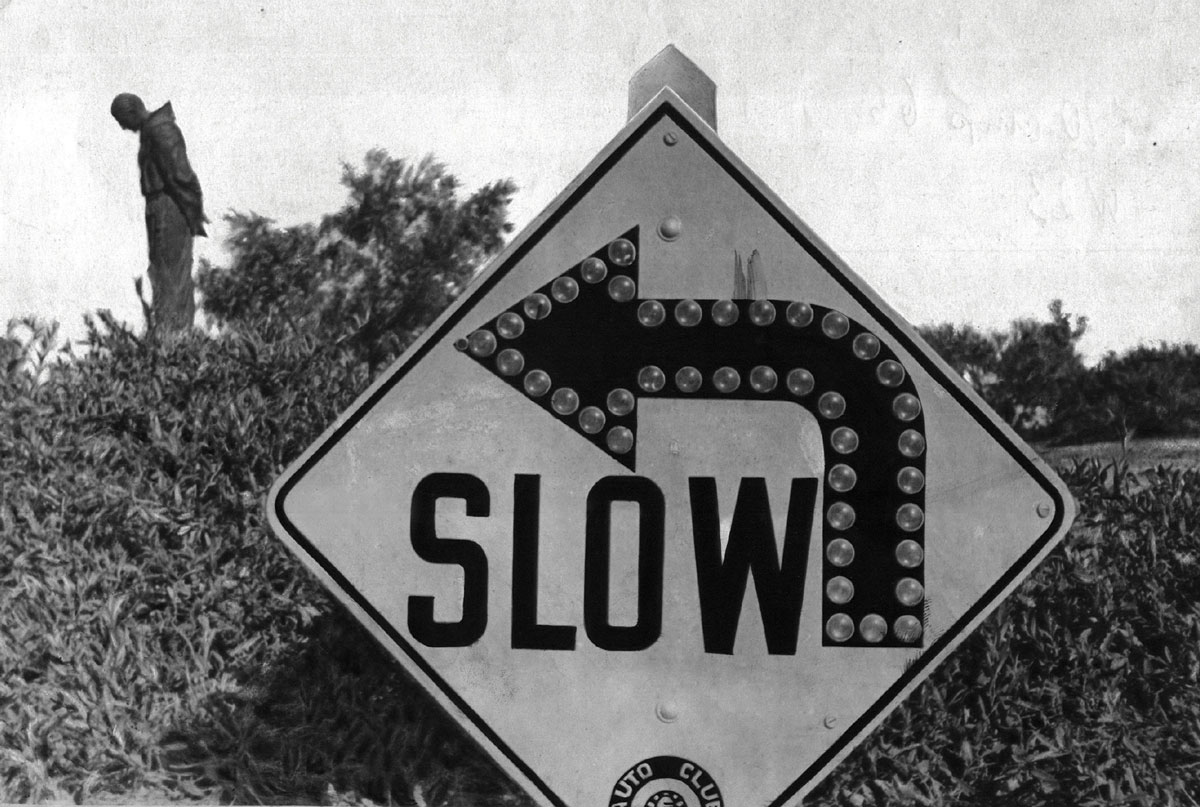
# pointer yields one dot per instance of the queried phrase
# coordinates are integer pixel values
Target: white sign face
(669, 508)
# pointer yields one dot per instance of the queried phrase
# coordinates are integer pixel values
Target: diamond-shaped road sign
(664, 395)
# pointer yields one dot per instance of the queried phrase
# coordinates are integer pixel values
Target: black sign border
(666, 109)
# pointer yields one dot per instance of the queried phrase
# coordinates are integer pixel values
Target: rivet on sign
(910, 480)
(460, 345)
(651, 378)
(909, 554)
(866, 346)
(688, 379)
(908, 628)
(564, 289)
(800, 382)
(906, 406)
(831, 405)
(510, 325)
(593, 270)
(911, 443)
(762, 312)
(763, 379)
(839, 590)
(667, 712)
(620, 401)
(842, 477)
(909, 517)
(840, 516)
(591, 419)
(844, 440)
(622, 288)
(873, 628)
(725, 312)
(890, 373)
(688, 313)
(670, 138)
(619, 439)
(829, 722)
(651, 313)
(537, 306)
(840, 627)
(670, 228)
(909, 591)
(799, 315)
(537, 383)
(726, 379)
(1043, 509)
(510, 362)
(622, 252)
(564, 400)
(835, 325)
(840, 552)
(481, 343)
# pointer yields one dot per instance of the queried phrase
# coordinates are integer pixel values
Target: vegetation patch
(156, 638)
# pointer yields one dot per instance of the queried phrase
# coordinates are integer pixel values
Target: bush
(371, 276)
(1080, 689)
(138, 584)
(1029, 375)
(154, 634)
(1145, 391)
(150, 624)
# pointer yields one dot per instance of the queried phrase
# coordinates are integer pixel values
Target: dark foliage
(973, 353)
(370, 276)
(1035, 378)
(153, 630)
(1030, 374)
(154, 634)
(150, 623)
(1145, 392)
(1081, 689)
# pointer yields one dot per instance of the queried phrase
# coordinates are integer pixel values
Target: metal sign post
(669, 508)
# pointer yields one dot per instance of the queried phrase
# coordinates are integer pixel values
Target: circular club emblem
(666, 782)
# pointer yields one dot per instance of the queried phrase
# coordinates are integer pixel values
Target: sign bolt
(670, 138)
(667, 711)
(670, 228)
(829, 722)
(1043, 509)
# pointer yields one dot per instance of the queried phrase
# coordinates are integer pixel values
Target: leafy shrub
(372, 275)
(153, 633)
(1030, 374)
(137, 580)
(1080, 689)
(150, 624)
(1145, 391)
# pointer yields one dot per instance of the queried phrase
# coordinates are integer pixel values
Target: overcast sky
(970, 164)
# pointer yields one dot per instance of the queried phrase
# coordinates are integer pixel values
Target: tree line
(365, 280)
(1033, 375)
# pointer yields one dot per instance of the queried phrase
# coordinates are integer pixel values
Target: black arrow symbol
(586, 348)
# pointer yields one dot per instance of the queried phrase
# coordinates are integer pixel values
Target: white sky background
(970, 164)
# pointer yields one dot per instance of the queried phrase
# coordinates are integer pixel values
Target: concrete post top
(670, 68)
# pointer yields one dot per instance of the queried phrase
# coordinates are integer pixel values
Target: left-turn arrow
(586, 347)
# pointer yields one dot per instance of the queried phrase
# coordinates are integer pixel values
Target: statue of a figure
(174, 209)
